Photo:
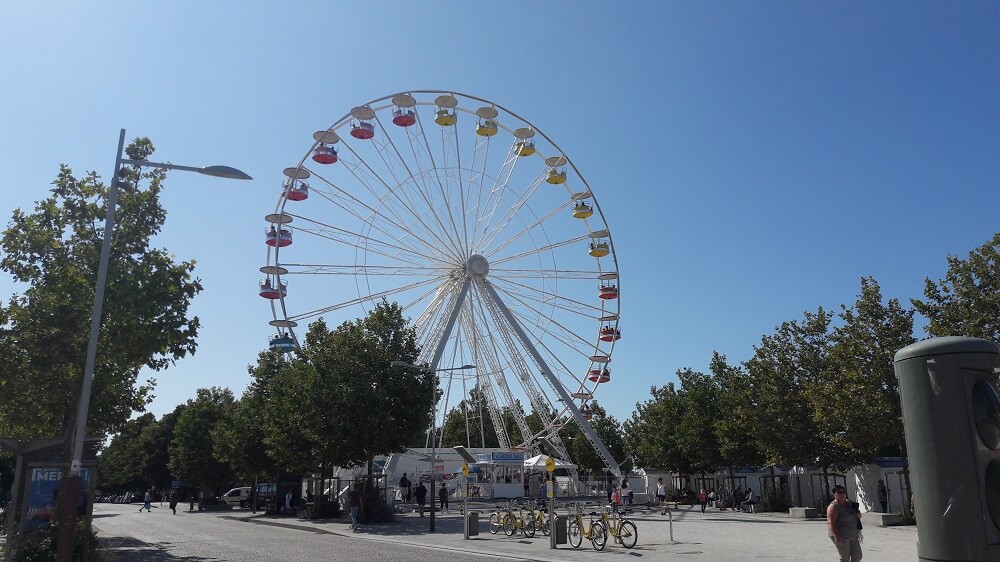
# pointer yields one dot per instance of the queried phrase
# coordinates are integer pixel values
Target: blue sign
(43, 492)
(508, 457)
(175, 484)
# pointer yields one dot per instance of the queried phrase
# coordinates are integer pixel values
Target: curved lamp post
(433, 457)
(72, 485)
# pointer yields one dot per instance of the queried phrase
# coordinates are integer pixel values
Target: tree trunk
(906, 477)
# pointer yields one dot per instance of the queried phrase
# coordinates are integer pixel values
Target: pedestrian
(354, 499)
(405, 488)
(527, 483)
(748, 502)
(146, 502)
(661, 491)
(844, 525)
(883, 496)
(421, 493)
(173, 501)
(713, 498)
(625, 492)
(703, 499)
(443, 496)
(611, 486)
(543, 491)
(288, 501)
(191, 498)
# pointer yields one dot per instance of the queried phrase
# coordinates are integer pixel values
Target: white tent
(538, 461)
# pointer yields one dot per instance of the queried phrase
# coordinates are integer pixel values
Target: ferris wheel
(481, 228)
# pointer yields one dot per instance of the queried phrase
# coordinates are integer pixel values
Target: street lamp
(72, 484)
(433, 457)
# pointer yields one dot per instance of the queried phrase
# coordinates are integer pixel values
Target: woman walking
(843, 520)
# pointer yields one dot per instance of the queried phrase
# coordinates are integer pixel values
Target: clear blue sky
(753, 159)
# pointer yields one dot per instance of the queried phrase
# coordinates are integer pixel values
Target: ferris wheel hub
(477, 266)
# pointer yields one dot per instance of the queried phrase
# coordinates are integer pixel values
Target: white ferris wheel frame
(451, 287)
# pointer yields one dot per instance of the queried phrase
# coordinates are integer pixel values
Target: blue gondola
(283, 343)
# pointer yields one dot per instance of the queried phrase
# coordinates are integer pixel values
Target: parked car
(237, 496)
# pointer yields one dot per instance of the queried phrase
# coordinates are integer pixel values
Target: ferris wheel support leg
(595, 440)
(456, 306)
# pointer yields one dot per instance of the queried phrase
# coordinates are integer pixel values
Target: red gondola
(298, 192)
(608, 292)
(403, 117)
(270, 291)
(279, 237)
(325, 154)
(597, 375)
(610, 334)
(363, 130)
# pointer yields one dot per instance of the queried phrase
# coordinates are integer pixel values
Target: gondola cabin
(610, 334)
(362, 130)
(272, 291)
(277, 237)
(404, 117)
(556, 177)
(524, 148)
(282, 342)
(599, 375)
(297, 192)
(324, 154)
(585, 412)
(582, 211)
(445, 117)
(486, 127)
(608, 292)
(599, 249)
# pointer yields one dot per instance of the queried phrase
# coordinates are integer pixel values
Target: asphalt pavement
(240, 535)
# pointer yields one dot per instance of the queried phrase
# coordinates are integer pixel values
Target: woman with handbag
(844, 522)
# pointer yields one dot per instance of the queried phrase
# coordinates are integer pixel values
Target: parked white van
(238, 497)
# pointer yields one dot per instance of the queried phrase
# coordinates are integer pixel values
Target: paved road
(235, 535)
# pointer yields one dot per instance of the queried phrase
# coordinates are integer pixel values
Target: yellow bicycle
(594, 531)
(539, 517)
(622, 529)
(510, 522)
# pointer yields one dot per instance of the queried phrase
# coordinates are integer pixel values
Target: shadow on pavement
(127, 549)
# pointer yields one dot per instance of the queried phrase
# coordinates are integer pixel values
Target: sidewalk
(717, 536)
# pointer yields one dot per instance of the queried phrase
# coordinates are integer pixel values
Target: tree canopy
(54, 253)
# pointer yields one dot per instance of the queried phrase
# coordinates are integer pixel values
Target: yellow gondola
(487, 128)
(524, 148)
(556, 177)
(445, 117)
(599, 249)
(582, 211)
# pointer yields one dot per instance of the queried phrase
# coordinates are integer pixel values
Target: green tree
(240, 439)
(857, 403)
(649, 434)
(192, 452)
(121, 466)
(736, 413)
(54, 252)
(156, 440)
(967, 301)
(781, 371)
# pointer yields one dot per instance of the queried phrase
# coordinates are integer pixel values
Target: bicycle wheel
(574, 534)
(529, 528)
(494, 523)
(628, 533)
(509, 527)
(543, 524)
(598, 535)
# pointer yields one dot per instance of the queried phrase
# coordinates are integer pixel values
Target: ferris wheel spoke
(564, 334)
(539, 250)
(364, 269)
(501, 225)
(496, 194)
(552, 299)
(365, 298)
(422, 181)
(364, 242)
(394, 195)
(340, 197)
(507, 273)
